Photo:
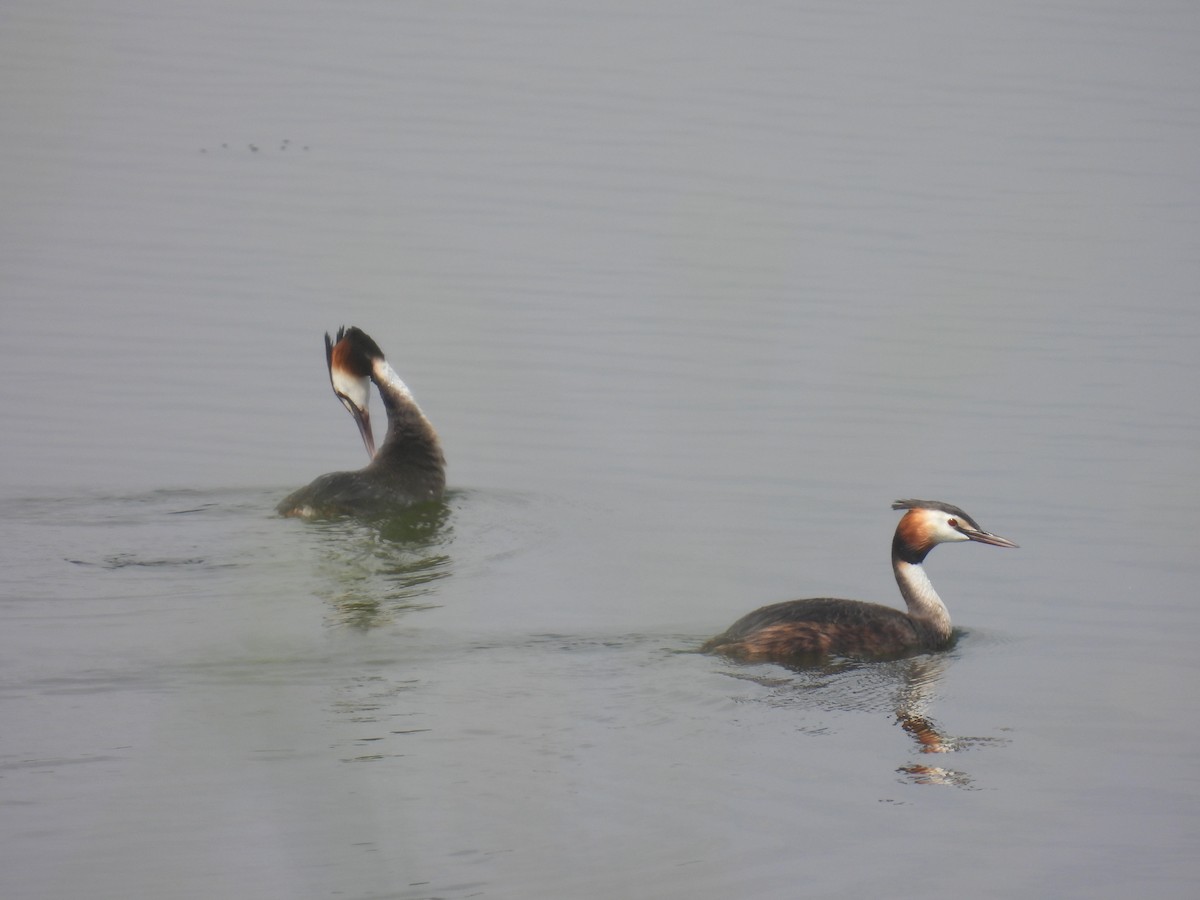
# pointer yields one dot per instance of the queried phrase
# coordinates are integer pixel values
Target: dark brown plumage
(408, 468)
(826, 626)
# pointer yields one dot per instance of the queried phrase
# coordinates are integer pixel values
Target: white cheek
(357, 390)
(944, 534)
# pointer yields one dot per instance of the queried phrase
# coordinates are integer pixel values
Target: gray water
(692, 293)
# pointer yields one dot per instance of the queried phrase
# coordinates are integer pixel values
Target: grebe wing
(827, 610)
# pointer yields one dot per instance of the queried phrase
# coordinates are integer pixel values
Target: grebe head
(351, 358)
(931, 522)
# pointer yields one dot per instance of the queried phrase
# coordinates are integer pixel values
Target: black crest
(949, 508)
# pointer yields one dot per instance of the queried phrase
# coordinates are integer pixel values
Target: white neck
(923, 601)
(389, 382)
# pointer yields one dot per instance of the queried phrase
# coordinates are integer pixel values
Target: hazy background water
(691, 294)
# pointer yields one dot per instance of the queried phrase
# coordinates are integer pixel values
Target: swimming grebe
(409, 467)
(831, 627)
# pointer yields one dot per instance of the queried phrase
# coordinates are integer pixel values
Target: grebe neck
(923, 601)
(411, 439)
(392, 389)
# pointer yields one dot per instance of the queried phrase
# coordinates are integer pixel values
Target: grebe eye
(953, 523)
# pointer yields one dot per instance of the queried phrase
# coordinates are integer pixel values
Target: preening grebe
(831, 627)
(408, 468)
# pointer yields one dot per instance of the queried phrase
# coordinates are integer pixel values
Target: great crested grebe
(409, 467)
(827, 626)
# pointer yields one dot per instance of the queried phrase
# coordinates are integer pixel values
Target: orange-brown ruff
(827, 626)
(409, 467)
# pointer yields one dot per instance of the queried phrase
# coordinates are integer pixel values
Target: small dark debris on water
(125, 560)
(284, 145)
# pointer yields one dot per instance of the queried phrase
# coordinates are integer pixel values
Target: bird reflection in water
(373, 572)
(902, 689)
(913, 700)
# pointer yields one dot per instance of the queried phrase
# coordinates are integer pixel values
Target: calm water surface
(692, 296)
